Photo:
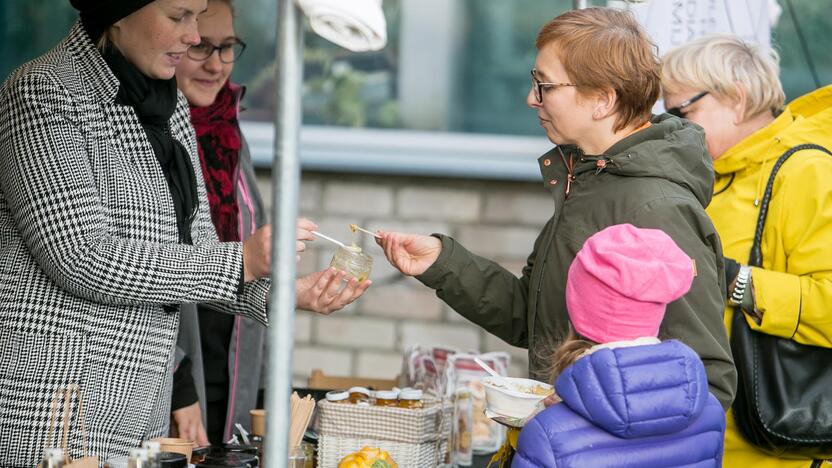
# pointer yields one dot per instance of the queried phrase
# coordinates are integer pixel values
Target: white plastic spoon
(499, 378)
(322, 236)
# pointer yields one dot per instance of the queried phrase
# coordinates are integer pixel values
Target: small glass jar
(309, 451)
(137, 458)
(338, 396)
(410, 398)
(359, 396)
(153, 449)
(53, 458)
(387, 398)
(353, 261)
(297, 457)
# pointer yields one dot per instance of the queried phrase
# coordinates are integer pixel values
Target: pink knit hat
(621, 281)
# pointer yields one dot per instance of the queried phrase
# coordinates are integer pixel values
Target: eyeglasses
(677, 111)
(539, 86)
(228, 52)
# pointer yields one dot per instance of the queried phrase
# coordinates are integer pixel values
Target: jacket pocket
(32, 367)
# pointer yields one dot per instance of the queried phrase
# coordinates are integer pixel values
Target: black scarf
(154, 102)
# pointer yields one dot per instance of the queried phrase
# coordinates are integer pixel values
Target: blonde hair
(570, 350)
(606, 49)
(104, 41)
(719, 63)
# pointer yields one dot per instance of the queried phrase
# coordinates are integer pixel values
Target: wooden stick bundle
(302, 409)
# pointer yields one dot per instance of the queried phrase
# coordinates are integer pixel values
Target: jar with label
(352, 260)
(387, 398)
(410, 398)
(338, 396)
(359, 396)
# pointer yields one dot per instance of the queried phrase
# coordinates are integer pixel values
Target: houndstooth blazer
(89, 257)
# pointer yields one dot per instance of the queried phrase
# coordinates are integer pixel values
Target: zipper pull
(569, 179)
(600, 165)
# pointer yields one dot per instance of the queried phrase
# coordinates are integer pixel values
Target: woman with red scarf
(220, 356)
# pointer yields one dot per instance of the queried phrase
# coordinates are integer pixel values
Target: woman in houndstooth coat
(93, 257)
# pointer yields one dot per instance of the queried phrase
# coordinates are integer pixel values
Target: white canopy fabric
(357, 25)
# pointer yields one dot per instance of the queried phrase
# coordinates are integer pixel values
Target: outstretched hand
(411, 254)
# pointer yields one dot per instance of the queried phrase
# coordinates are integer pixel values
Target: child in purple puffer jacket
(628, 399)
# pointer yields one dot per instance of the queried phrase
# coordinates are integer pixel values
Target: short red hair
(606, 49)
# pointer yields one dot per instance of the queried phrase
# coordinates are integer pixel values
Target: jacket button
(552, 182)
(547, 162)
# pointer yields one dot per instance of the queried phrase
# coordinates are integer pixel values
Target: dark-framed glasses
(678, 111)
(228, 51)
(540, 86)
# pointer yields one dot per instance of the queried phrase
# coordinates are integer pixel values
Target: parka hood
(806, 119)
(670, 148)
(638, 391)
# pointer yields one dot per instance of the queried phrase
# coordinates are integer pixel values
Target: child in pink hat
(628, 399)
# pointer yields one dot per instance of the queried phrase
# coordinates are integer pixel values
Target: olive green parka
(660, 177)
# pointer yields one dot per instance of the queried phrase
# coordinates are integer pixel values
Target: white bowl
(513, 402)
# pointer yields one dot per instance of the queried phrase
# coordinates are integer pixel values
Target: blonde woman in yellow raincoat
(732, 90)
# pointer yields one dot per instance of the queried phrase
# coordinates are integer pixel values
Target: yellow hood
(807, 118)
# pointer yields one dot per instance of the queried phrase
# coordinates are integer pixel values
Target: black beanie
(98, 15)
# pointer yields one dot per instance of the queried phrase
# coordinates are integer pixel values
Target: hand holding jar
(322, 292)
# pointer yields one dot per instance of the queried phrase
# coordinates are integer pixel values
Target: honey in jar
(410, 398)
(359, 395)
(387, 398)
(338, 396)
(353, 261)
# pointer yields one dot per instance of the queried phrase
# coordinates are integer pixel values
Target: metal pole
(580, 4)
(285, 180)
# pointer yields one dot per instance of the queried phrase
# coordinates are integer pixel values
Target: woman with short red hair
(594, 83)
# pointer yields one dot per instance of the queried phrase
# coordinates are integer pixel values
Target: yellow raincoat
(794, 288)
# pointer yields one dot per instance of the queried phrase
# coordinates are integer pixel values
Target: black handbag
(784, 397)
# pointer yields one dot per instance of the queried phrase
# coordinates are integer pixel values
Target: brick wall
(499, 220)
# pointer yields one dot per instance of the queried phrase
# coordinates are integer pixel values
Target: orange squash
(368, 457)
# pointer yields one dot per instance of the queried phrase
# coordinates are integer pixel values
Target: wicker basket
(415, 438)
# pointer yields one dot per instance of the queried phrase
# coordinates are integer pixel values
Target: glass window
(456, 66)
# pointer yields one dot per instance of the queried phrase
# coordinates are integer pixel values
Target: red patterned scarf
(218, 138)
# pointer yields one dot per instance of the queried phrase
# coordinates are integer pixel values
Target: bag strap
(755, 258)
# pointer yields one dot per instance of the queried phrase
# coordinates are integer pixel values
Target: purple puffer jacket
(641, 406)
